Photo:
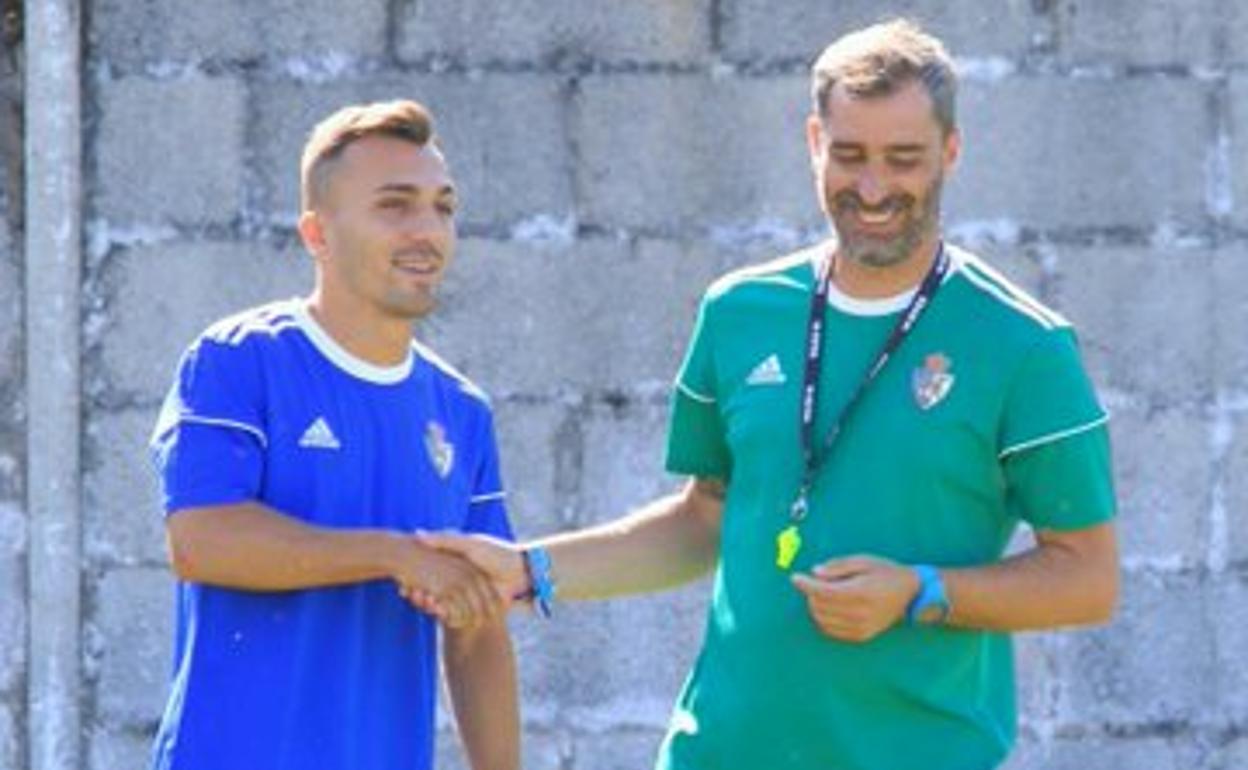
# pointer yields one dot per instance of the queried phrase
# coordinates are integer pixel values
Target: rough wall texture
(614, 157)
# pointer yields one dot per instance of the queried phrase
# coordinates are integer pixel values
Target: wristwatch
(930, 606)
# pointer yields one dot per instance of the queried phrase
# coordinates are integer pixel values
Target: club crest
(932, 381)
(441, 452)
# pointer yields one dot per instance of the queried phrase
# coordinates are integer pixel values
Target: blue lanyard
(814, 355)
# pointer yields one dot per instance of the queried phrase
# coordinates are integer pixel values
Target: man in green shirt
(866, 422)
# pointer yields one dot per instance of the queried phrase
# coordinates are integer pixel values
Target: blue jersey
(267, 407)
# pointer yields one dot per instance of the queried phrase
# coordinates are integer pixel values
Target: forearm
(1068, 579)
(671, 541)
(481, 677)
(251, 546)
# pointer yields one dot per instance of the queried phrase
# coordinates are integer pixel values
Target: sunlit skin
(879, 165)
(382, 234)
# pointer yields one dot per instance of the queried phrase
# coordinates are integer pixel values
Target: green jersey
(984, 417)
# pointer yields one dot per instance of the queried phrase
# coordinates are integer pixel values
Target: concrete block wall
(614, 158)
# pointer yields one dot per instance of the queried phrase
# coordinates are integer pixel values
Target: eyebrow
(411, 189)
(891, 149)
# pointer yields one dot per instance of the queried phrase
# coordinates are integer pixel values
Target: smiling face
(879, 164)
(382, 229)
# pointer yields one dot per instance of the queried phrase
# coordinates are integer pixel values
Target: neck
(362, 331)
(868, 282)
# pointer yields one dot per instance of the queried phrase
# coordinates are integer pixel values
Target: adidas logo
(319, 436)
(767, 373)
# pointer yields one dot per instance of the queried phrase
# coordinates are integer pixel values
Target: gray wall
(614, 157)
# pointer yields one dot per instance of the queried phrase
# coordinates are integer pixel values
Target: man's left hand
(856, 598)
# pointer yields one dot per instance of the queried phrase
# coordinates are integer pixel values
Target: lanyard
(814, 354)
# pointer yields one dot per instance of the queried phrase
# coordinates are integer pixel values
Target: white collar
(344, 359)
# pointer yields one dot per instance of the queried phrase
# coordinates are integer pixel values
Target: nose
(870, 189)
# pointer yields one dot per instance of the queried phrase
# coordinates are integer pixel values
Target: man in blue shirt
(300, 447)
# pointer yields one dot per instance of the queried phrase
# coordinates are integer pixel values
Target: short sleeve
(696, 444)
(487, 508)
(1054, 441)
(209, 440)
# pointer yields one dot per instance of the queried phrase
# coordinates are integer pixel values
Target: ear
(814, 140)
(312, 233)
(952, 150)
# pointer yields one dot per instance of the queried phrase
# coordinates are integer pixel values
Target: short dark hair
(402, 118)
(880, 59)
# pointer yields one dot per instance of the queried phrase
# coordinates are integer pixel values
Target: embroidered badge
(441, 452)
(932, 381)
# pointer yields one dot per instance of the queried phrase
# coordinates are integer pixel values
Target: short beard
(880, 253)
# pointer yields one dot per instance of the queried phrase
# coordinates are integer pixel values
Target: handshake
(462, 580)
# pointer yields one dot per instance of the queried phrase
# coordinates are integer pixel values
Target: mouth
(422, 261)
(883, 217)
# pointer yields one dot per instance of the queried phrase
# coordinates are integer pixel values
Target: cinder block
(1235, 19)
(169, 150)
(1097, 751)
(687, 152)
(624, 454)
(156, 304)
(555, 32)
(1151, 32)
(539, 447)
(1236, 151)
(1034, 660)
(504, 137)
(618, 320)
(618, 749)
(1235, 501)
(11, 303)
(13, 599)
(113, 748)
(1228, 613)
(129, 35)
(1233, 755)
(759, 30)
(1230, 312)
(10, 739)
(132, 623)
(122, 520)
(1155, 663)
(1149, 334)
(616, 663)
(1051, 152)
(1163, 494)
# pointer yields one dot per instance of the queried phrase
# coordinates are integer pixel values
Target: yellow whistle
(788, 543)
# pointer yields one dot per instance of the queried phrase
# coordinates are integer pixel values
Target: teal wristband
(542, 588)
(930, 605)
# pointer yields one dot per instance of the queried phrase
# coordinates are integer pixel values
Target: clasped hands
(462, 580)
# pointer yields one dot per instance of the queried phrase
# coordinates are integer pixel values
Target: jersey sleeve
(1054, 440)
(696, 443)
(487, 507)
(209, 440)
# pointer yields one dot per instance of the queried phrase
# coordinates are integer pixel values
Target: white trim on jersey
(1051, 437)
(340, 357)
(220, 423)
(476, 499)
(691, 393)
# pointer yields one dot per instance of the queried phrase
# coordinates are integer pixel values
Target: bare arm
(1070, 578)
(670, 541)
(251, 546)
(1067, 579)
(481, 677)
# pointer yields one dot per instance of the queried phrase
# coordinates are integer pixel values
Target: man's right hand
(447, 586)
(502, 561)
